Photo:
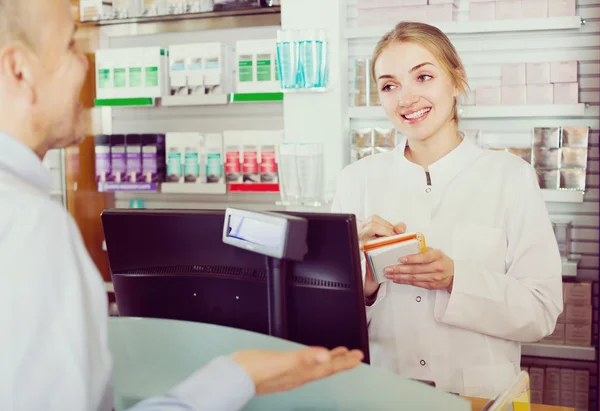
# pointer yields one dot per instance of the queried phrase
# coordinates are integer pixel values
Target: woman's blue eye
(387, 87)
(425, 77)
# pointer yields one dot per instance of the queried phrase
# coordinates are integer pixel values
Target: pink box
(567, 398)
(552, 397)
(514, 74)
(540, 94)
(367, 4)
(536, 378)
(538, 73)
(537, 397)
(582, 400)
(488, 96)
(559, 8)
(557, 336)
(514, 95)
(407, 13)
(508, 9)
(482, 11)
(582, 380)
(534, 9)
(440, 12)
(563, 71)
(566, 93)
(577, 293)
(578, 335)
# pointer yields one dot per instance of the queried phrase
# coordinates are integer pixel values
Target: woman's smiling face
(417, 94)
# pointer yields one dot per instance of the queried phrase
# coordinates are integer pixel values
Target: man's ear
(16, 72)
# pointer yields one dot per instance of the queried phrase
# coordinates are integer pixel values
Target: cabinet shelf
(567, 352)
(493, 26)
(483, 112)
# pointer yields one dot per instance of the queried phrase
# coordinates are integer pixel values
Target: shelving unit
(466, 27)
(255, 97)
(195, 100)
(188, 16)
(567, 352)
(125, 102)
(562, 196)
(487, 112)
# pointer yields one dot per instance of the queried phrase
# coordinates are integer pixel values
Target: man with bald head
(54, 353)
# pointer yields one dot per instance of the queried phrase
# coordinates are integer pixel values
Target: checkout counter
(153, 355)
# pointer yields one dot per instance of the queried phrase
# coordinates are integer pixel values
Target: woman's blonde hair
(436, 42)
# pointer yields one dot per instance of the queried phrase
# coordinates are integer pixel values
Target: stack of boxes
(574, 325)
(94, 10)
(533, 83)
(251, 160)
(132, 162)
(369, 141)
(257, 70)
(560, 157)
(560, 387)
(139, 72)
(194, 163)
(487, 10)
(389, 12)
(199, 69)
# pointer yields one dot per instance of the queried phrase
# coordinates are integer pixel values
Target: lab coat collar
(446, 168)
(21, 162)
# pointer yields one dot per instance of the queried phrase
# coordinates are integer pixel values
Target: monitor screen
(173, 264)
(262, 233)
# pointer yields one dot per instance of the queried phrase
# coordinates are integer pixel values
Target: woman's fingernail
(388, 271)
(404, 260)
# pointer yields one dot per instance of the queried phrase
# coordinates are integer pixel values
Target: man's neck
(24, 132)
(428, 151)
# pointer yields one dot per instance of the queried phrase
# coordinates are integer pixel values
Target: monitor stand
(277, 297)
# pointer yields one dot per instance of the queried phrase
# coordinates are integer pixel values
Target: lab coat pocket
(487, 381)
(483, 245)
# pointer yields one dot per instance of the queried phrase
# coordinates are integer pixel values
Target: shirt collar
(20, 161)
(446, 168)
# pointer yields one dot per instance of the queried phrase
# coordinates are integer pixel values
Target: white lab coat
(54, 350)
(484, 209)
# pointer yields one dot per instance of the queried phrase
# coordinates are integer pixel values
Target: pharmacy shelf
(567, 352)
(111, 187)
(482, 112)
(562, 196)
(195, 100)
(254, 97)
(494, 26)
(178, 188)
(125, 102)
(188, 16)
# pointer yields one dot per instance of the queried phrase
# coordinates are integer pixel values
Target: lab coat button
(418, 298)
(428, 190)
(423, 363)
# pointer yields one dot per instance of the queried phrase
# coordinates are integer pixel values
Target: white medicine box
(201, 68)
(94, 10)
(256, 66)
(131, 73)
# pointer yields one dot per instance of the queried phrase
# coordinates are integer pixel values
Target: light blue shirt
(56, 356)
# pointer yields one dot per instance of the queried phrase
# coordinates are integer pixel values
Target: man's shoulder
(24, 214)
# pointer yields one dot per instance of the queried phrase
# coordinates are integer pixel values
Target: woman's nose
(406, 97)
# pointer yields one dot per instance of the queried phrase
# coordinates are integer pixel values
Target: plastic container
(288, 61)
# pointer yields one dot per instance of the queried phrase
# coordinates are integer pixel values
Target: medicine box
(131, 73)
(256, 62)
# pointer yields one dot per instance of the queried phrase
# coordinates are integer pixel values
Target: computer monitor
(173, 264)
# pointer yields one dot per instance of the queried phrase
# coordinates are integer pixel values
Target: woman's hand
(370, 229)
(432, 270)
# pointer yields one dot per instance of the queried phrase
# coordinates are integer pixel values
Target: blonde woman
(491, 277)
